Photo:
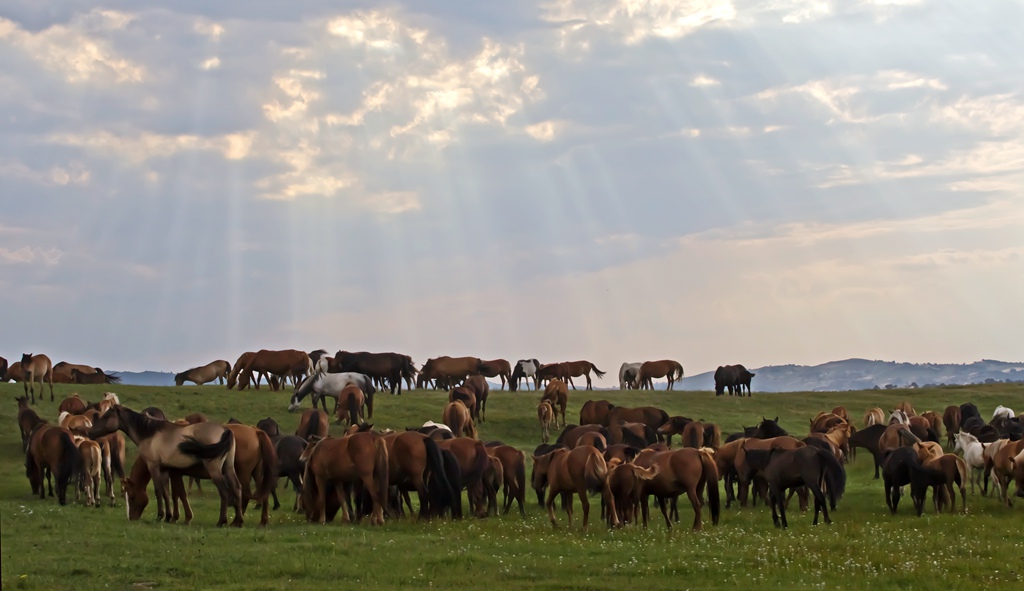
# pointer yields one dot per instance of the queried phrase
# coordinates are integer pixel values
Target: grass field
(45, 546)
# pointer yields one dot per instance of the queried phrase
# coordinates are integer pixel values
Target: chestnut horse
(95, 377)
(680, 471)
(567, 370)
(544, 416)
(340, 462)
(36, 368)
(215, 370)
(416, 464)
(89, 473)
(458, 418)
(665, 368)
(28, 420)
(481, 389)
(581, 471)
(350, 405)
(72, 404)
(595, 411)
(557, 394)
(951, 420)
(313, 424)
(874, 416)
(513, 463)
(286, 363)
(623, 487)
(447, 371)
(51, 453)
(496, 368)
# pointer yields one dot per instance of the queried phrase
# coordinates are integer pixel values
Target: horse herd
(622, 454)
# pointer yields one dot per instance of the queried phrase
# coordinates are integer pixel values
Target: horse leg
(550, 505)
(663, 505)
(697, 503)
(585, 503)
(777, 496)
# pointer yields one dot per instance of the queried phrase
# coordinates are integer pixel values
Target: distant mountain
(146, 378)
(864, 374)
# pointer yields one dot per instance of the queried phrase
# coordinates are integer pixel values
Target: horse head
(26, 358)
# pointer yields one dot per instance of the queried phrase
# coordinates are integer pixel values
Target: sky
(711, 181)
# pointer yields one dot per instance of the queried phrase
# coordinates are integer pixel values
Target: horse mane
(143, 425)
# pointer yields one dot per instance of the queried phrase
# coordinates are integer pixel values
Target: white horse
(1002, 411)
(525, 368)
(633, 368)
(974, 456)
(430, 424)
(322, 384)
(899, 417)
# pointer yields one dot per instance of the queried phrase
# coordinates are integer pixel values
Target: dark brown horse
(680, 471)
(391, 368)
(36, 368)
(951, 420)
(3, 370)
(339, 463)
(734, 378)
(496, 368)
(313, 424)
(96, 377)
(481, 389)
(28, 420)
(595, 411)
(416, 464)
(557, 393)
(623, 486)
(581, 471)
(51, 454)
(473, 461)
(808, 467)
(665, 368)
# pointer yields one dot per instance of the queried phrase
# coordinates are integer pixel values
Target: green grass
(45, 546)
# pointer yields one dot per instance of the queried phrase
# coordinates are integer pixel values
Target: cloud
(27, 255)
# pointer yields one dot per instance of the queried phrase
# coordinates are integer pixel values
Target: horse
(72, 404)
(513, 463)
(567, 370)
(95, 377)
(571, 434)
(447, 371)
(51, 454)
(313, 424)
(154, 413)
(974, 456)
(940, 473)
(623, 487)
(467, 397)
(769, 428)
(674, 426)
(899, 417)
(1003, 468)
(544, 415)
(473, 460)
(525, 368)
(968, 410)
(77, 424)
(558, 394)
(665, 368)
(907, 408)
(28, 420)
(14, 373)
(1002, 411)
(693, 435)
(733, 378)
(680, 471)
(480, 389)
(388, 367)
(112, 450)
(951, 420)
(458, 418)
(581, 470)
(164, 445)
(36, 368)
(284, 363)
(288, 449)
(651, 416)
(340, 462)
(496, 368)
(874, 416)
(89, 473)
(746, 472)
(237, 368)
(416, 464)
(808, 467)
(595, 411)
(215, 370)
(3, 370)
(350, 405)
(725, 463)
(321, 384)
(840, 411)
(628, 373)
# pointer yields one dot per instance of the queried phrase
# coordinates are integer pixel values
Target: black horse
(768, 428)
(806, 466)
(733, 377)
(896, 473)
(868, 439)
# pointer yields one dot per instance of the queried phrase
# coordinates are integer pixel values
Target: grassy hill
(46, 546)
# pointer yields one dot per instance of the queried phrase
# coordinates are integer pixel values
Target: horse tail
(117, 456)
(439, 489)
(191, 447)
(309, 426)
(595, 472)
(453, 473)
(353, 410)
(709, 472)
(267, 481)
(70, 465)
(597, 372)
(834, 476)
(381, 471)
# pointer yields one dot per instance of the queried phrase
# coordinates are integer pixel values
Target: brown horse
(165, 446)
(14, 372)
(77, 424)
(593, 439)
(96, 377)
(623, 487)
(557, 394)
(36, 368)
(745, 472)
(651, 416)
(496, 368)
(652, 370)
(286, 363)
(681, 471)
(693, 435)
(62, 371)
(90, 470)
(674, 426)
(339, 463)
(544, 416)
(28, 420)
(567, 370)
(951, 420)
(313, 424)
(447, 371)
(72, 404)
(581, 471)
(350, 405)
(416, 464)
(595, 411)
(906, 407)
(457, 417)
(3, 370)
(467, 397)
(215, 370)
(237, 368)
(874, 416)
(934, 421)
(112, 449)
(513, 463)
(471, 456)
(481, 389)
(840, 411)
(51, 453)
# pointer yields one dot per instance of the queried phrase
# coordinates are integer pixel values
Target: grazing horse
(623, 487)
(581, 471)
(350, 405)
(51, 453)
(571, 434)
(164, 445)
(652, 370)
(746, 471)
(808, 467)
(940, 473)
(628, 373)
(567, 370)
(286, 363)
(651, 416)
(416, 463)
(481, 389)
(874, 416)
(390, 368)
(36, 368)
(558, 394)
(215, 370)
(447, 371)
(544, 416)
(674, 426)
(289, 448)
(951, 420)
(14, 373)
(525, 368)
(496, 368)
(466, 396)
(595, 411)
(237, 368)
(680, 471)
(734, 378)
(473, 461)
(340, 462)
(321, 384)
(513, 464)
(28, 420)
(458, 418)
